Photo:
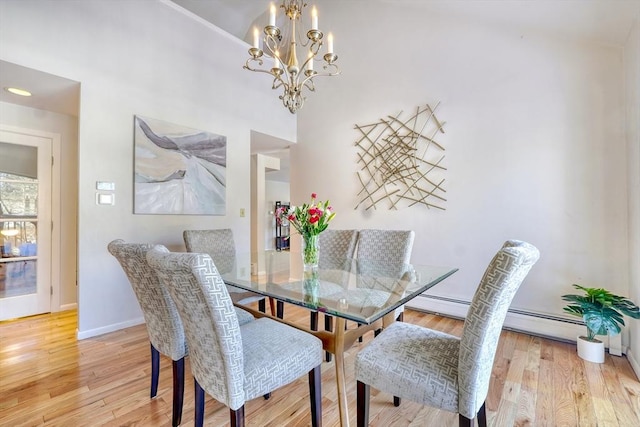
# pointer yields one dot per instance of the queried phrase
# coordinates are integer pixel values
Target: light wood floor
(49, 378)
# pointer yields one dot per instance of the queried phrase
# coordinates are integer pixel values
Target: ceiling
(603, 21)
(49, 92)
(600, 21)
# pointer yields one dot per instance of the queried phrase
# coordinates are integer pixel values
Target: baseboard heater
(539, 324)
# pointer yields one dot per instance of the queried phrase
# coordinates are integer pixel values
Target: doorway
(25, 224)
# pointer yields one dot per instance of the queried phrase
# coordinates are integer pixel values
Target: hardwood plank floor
(48, 378)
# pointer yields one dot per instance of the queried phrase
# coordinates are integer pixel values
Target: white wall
(632, 91)
(67, 128)
(141, 57)
(535, 144)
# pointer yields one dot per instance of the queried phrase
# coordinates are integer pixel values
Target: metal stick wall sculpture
(401, 162)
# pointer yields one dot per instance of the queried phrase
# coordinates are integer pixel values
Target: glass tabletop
(356, 289)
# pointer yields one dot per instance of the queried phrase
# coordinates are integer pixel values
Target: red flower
(314, 195)
(315, 212)
(291, 218)
(314, 219)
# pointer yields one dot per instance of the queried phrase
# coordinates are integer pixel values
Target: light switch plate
(105, 186)
(105, 199)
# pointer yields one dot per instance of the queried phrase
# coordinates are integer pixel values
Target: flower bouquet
(309, 220)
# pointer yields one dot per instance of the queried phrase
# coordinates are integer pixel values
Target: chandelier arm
(321, 74)
(308, 83)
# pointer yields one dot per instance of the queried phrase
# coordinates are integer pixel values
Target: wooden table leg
(340, 374)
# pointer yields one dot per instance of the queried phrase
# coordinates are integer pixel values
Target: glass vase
(310, 251)
(310, 256)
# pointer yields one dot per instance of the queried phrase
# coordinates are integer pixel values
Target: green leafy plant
(601, 310)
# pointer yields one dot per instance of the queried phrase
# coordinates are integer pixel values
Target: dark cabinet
(282, 230)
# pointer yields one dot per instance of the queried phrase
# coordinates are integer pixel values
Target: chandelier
(283, 47)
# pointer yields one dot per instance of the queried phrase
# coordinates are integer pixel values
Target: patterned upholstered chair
(383, 249)
(220, 246)
(234, 363)
(441, 370)
(161, 316)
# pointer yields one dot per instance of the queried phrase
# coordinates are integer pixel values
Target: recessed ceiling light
(17, 91)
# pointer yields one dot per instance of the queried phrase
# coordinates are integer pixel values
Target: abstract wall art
(178, 170)
(400, 162)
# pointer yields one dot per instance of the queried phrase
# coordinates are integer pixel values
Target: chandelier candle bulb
(314, 18)
(256, 38)
(272, 15)
(330, 44)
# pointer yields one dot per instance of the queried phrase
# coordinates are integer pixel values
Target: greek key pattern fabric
(219, 244)
(232, 363)
(160, 314)
(221, 247)
(337, 248)
(210, 321)
(383, 257)
(386, 246)
(485, 318)
(414, 363)
(441, 370)
(275, 355)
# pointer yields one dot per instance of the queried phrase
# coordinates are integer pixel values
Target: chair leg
(237, 417)
(262, 306)
(280, 310)
(155, 370)
(464, 421)
(482, 416)
(178, 391)
(400, 318)
(362, 395)
(199, 404)
(328, 326)
(313, 320)
(315, 396)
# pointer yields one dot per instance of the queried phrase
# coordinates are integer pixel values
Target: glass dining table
(367, 292)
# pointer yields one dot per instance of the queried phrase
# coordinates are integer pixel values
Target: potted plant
(603, 314)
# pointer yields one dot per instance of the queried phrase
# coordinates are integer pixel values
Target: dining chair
(386, 250)
(234, 363)
(220, 246)
(441, 370)
(164, 326)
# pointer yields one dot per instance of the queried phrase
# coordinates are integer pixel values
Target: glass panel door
(25, 175)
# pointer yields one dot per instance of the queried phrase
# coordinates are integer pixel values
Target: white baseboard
(634, 363)
(67, 307)
(110, 328)
(533, 323)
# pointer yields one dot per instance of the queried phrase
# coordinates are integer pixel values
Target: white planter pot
(591, 351)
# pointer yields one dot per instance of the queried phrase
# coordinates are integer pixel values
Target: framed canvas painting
(178, 170)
